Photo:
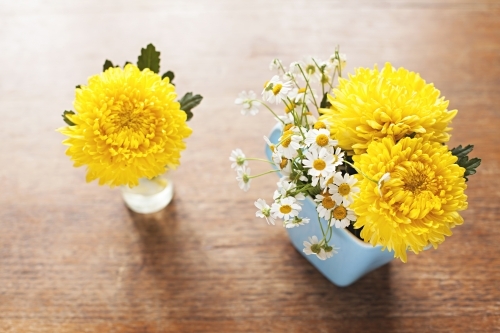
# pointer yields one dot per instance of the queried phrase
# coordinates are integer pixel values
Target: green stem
(309, 86)
(259, 159)
(321, 226)
(262, 174)
(321, 80)
(267, 107)
(330, 229)
(361, 172)
(293, 80)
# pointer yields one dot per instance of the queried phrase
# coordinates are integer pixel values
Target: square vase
(354, 258)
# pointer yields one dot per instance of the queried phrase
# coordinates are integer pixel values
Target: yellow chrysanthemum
(374, 104)
(128, 125)
(419, 203)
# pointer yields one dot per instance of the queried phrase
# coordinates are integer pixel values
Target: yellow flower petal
(374, 104)
(419, 202)
(128, 126)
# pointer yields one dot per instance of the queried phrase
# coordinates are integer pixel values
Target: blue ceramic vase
(354, 258)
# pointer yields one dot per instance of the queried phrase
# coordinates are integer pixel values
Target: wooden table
(73, 258)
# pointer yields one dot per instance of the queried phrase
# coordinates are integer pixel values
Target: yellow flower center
(319, 164)
(415, 182)
(328, 182)
(310, 69)
(289, 107)
(302, 90)
(287, 142)
(344, 189)
(286, 138)
(322, 140)
(287, 127)
(277, 88)
(315, 248)
(340, 212)
(319, 125)
(129, 117)
(283, 163)
(285, 209)
(328, 202)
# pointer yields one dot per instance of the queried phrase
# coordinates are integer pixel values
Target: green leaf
(65, 118)
(188, 102)
(459, 151)
(324, 102)
(149, 58)
(107, 64)
(168, 74)
(471, 165)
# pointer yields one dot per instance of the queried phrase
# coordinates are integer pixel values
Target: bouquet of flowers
(128, 123)
(370, 150)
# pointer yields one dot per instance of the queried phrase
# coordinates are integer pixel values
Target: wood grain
(74, 259)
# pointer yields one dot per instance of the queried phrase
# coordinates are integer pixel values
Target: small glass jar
(151, 195)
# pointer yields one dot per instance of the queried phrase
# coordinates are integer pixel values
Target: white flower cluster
(307, 157)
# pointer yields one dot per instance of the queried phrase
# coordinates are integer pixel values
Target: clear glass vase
(151, 195)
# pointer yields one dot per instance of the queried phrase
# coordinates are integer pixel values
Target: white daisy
(310, 68)
(310, 119)
(286, 208)
(320, 164)
(342, 217)
(243, 178)
(287, 188)
(282, 186)
(289, 76)
(270, 144)
(314, 247)
(250, 105)
(343, 189)
(338, 156)
(321, 125)
(302, 95)
(289, 143)
(330, 251)
(303, 115)
(293, 69)
(285, 166)
(264, 211)
(238, 159)
(325, 206)
(318, 139)
(275, 64)
(325, 72)
(297, 221)
(326, 181)
(276, 90)
(385, 177)
(335, 61)
(286, 119)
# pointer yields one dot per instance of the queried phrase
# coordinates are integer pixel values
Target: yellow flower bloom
(128, 125)
(418, 204)
(375, 104)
